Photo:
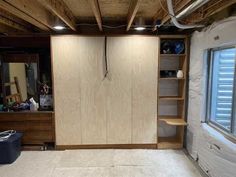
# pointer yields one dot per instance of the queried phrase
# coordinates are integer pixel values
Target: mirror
(24, 76)
(19, 78)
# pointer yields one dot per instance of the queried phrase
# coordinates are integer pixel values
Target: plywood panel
(119, 109)
(93, 90)
(119, 90)
(144, 89)
(80, 8)
(132, 99)
(66, 64)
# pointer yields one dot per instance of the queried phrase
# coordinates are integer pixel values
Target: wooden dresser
(37, 127)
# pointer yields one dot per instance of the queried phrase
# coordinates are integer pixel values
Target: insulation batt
(216, 155)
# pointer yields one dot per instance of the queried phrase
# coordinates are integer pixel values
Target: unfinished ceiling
(40, 16)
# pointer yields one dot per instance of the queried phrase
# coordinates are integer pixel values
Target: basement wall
(201, 139)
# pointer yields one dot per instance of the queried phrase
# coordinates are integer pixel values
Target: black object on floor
(10, 149)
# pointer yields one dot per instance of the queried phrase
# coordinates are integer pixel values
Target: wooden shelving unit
(175, 121)
(178, 100)
(171, 78)
(170, 98)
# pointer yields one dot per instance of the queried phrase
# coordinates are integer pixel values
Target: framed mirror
(19, 78)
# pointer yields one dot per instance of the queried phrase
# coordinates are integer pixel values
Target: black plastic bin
(10, 149)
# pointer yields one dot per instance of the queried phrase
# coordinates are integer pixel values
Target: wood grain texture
(33, 9)
(66, 64)
(118, 109)
(37, 127)
(144, 90)
(93, 90)
(108, 146)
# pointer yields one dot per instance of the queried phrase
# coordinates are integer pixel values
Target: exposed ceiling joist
(133, 9)
(210, 9)
(7, 29)
(97, 13)
(12, 24)
(34, 10)
(11, 9)
(60, 9)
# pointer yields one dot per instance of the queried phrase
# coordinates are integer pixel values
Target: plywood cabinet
(92, 90)
(144, 90)
(118, 109)
(67, 97)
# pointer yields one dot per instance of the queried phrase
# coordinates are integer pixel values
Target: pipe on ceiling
(174, 18)
(191, 8)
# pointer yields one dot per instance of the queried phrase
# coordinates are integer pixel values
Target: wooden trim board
(107, 146)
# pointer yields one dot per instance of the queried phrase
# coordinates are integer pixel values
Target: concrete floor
(101, 163)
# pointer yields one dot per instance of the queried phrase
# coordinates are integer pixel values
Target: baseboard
(108, 146)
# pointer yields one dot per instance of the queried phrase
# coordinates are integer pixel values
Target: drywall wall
(118, 109)
(202, 140)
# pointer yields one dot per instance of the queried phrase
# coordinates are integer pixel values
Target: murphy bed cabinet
(172, 91)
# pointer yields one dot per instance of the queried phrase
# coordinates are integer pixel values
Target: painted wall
(201, 139)
(118, 109)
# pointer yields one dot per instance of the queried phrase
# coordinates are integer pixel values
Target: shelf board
(172, 121)
(169, 143)
(170, 98)
(172, 55)
(171, 78)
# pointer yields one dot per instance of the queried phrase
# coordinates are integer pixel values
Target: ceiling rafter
(208, 10)
(34, 10)
(97, 12)
(7, 29)
(8, 22)
(60, 9)
(20, 14)
(133, 9)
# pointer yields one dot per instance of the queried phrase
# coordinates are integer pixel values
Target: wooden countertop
(26, 112)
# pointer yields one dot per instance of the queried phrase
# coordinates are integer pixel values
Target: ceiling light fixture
(140, 28)
(140, 24)
(59, 27)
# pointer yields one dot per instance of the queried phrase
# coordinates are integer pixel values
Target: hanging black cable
(106, 64)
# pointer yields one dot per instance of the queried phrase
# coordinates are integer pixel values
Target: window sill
(219, 134)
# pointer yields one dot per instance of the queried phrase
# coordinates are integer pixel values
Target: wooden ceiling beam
(11, 9)
(34, 10)
(8, 22)
(133, 9)
(60, 9)
(8, 30)
(96, 11)
(208, 10)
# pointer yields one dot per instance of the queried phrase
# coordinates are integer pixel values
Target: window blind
(222, 87)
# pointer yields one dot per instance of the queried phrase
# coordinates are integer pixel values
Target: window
(221, 107)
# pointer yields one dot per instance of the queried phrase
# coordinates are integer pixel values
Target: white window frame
(230, 133)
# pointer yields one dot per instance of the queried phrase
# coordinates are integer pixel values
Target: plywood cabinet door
(132, 90)
(67, 98)
(119, 110)
(92, 90)
(144, 90)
